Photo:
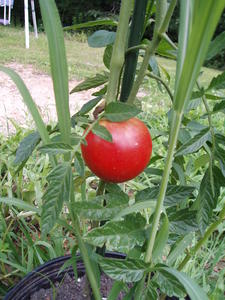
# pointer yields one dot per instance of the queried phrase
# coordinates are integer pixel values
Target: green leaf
(107, 56)
(192, 289)
(101, 38)
(95, 211)
(19, 204)
(174, 194)
(29, 102)
(216, 46)
(165, 49)
(115, 290)
(217, 82)
(105, 22)
(179, 247)
(220, 156)
(195, 143)
(195, 33)
(124, 270)
(161, 239)
(169, 285)
(89, 106)
(91, 82)
(58, 63)
(79, 164)
(118, 111)
(202, 161)
(26, 147)
(57, 192)
(102, 132)
(183, 221)
(55, 148)
(120, 235)
(219, 107)
(206, 201)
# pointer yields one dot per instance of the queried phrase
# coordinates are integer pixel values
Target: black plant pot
(48, 273)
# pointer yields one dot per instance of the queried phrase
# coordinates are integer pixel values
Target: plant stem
(163, 83)
(118, 53)
(213, 139)
(162, 22)
(177, 116)
(207, 234)
(83, 250)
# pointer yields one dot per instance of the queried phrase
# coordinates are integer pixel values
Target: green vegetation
(192, 177)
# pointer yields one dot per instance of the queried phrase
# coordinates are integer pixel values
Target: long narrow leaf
(29, 102)
(206, 15)
(58, 62)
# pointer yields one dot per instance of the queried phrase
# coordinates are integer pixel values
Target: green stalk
(177, 117)
(203, 240)
(83, 250)
(151, 75)
(118, 53)
(136, 33)
(161, 24)
(213, 140)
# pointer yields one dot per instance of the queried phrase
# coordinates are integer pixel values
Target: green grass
(82, 60)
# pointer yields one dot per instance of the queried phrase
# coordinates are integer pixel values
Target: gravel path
(40, 86)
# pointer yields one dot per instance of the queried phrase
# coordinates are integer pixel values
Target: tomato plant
(125, 157)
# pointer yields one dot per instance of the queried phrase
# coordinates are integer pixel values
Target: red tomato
(122, 159)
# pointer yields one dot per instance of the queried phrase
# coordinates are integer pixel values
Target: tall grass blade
(29, 102)
(205, 17)
(58, 63)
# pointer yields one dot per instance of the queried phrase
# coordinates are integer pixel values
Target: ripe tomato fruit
(122, 159)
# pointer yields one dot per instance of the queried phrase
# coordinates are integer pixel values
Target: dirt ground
(40, 86)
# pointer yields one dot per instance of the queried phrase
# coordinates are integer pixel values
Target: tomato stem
(119, 47)
(176, 121)
(207, 234)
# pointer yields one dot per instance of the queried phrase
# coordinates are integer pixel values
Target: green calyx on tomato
(122, 159)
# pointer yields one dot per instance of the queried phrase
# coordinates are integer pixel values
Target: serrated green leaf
(217, 82)
(216, 46)
(58, 191)
(174, 194)
(166, 50)
(214, 97)
(183, 221)
(161, 239)
(26, 147)
(179, 247)
(195, 143)
(206, 201)
(153, 171)
(55, 148)
(151, 292)
(79, 164)
(19, 204)
(118, 111)
(100, 22)
(220, 156)
(89, 106)
(94, 209)
(101, 38)
(219, 107)
(192, 289)
(169, 285)
(91, 82)
(202, 161)
(102, 132)
(124, 270)
(120, 235)
(107, 56)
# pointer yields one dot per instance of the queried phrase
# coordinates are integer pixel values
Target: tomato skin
(122, 159)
